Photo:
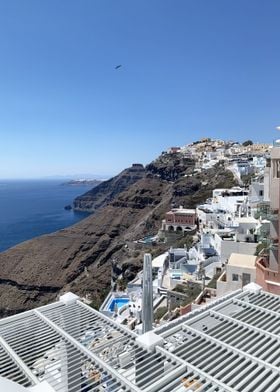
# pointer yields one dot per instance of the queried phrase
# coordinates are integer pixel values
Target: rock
(107, 191)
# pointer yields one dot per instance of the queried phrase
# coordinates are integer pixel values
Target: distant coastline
(86, 182)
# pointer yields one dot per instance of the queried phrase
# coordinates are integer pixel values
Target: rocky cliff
(108, 190)
(126, 208)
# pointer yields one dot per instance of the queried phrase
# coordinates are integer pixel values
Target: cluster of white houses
(242, 159)
(224, 225)
(232, 228)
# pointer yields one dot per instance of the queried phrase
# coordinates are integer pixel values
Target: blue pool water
(119, 302)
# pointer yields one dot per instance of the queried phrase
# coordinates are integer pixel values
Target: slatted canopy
(235, 341)
(230, 345)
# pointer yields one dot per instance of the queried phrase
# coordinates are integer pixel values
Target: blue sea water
(30, 208)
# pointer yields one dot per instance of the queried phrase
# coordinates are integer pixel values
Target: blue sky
(190, 69)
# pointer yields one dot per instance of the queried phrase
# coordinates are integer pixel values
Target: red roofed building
(180, 220)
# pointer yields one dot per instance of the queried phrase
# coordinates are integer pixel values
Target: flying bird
(118, 66)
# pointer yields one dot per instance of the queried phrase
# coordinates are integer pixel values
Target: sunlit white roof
(233, 344)
(158, 262)
(75, 348)
(242, 260)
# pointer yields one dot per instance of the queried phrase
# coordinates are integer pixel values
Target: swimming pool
(119, 302)
(176, 275)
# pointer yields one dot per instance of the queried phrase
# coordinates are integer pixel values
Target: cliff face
(78, 258)
(171, 167)
(105, 192)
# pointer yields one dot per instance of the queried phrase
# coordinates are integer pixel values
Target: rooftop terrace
(233, 344)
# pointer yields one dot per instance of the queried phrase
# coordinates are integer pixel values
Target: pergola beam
(245, 325)
(231, 348)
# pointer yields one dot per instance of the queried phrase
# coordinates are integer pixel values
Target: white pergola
(232, 344)
(236, 342)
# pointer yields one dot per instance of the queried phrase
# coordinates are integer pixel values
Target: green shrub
(247, 143)
(213, 282)
(160, 312)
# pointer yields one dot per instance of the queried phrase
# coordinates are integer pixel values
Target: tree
(262, 248)
(247, 143)
(213, 282)
(160, 312)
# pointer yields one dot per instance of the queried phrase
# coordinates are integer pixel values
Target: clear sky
(190, 69)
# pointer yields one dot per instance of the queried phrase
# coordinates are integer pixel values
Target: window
(234, 277)
(246, 278)
(261, 193)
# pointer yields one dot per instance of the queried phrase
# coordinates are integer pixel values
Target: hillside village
(217, 247)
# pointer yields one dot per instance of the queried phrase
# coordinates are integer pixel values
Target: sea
(30, 208)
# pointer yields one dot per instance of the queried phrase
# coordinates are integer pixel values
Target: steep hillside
(171, 167)
(78, 258)
(108, 190)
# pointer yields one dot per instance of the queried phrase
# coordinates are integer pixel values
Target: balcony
(268, 274)
(262, 263)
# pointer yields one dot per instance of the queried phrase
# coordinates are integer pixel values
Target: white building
(256, 192)
(240, 271)
(243, 168)
(259, 162)
(230, 200)
(226, 244)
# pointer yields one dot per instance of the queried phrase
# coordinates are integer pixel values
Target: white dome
(10, 386)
